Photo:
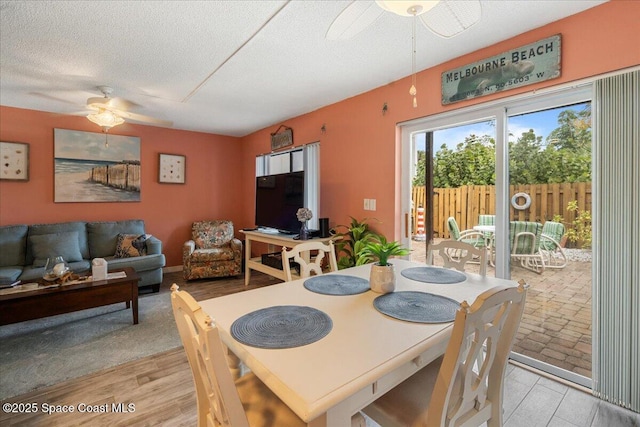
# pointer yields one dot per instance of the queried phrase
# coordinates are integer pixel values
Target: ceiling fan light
(407, 8)
(106, 119)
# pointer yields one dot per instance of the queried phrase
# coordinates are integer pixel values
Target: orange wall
(212, 188)
(359, 156)
(359, 151)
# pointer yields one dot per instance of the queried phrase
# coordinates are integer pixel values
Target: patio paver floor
(556, 324)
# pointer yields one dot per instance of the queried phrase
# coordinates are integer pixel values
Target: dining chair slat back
(219, 397)
(456, 254)
(308, 266)
(465, 386)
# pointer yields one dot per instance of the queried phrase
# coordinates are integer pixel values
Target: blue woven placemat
(337, 284)
(419, 307)
(282, 326)
(433, 275)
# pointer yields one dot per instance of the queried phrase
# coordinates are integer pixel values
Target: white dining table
(365, 354)
(485, 228)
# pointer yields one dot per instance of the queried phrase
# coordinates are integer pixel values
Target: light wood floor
(160, 389)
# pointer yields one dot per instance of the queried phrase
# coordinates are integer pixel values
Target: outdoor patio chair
(551, 246)
(455, 254)
(464, 387)
(471, 237)
(525, 239)
(487, 220)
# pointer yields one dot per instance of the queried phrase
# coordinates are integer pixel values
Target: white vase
(382, 278)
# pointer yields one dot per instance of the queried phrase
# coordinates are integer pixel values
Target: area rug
(42, 352)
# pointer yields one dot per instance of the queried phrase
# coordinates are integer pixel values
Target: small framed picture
(172, 169)
(15, 161)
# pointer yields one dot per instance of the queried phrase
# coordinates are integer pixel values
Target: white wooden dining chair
(465, 386)
(455, 254)
(300, 254)
(245, 402)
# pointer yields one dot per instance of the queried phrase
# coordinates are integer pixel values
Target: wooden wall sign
(522, 66)
(282, 137)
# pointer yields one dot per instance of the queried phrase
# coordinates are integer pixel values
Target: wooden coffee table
(37, 303)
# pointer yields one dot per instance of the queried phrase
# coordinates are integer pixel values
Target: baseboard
(172, 269)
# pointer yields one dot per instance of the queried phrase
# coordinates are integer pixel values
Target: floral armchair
(212, 252)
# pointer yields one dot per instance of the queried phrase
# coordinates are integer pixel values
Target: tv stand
(273, 240)
(267, 230)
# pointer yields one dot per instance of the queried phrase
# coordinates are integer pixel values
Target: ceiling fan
(110, 112)
(445, 18)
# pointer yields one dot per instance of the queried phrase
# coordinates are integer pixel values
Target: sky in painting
(73, 144)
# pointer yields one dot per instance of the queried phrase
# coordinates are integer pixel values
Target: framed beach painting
(91, 168)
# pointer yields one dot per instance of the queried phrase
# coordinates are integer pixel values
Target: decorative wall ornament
(282, 137)
(15, 161)
(172, 169)
(86, 170)
(525, 65)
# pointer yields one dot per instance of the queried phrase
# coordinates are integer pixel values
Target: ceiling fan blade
(353, 20)
(144, 119)
(122, 104)
(111, 103)
(449, 18)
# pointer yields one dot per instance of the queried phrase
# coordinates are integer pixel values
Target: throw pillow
(131, 245)
(44, 246)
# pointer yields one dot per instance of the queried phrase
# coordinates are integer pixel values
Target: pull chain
(413, 91)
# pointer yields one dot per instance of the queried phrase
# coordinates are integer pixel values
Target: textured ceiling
(225, 67)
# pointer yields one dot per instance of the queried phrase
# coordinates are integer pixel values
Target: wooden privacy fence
(467, 202)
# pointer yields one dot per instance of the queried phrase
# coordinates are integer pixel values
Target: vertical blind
(616, 296)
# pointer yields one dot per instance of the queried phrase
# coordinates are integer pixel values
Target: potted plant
(382, 278)
(353, 239)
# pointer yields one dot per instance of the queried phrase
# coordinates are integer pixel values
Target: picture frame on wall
(87, 169)
(15, 161)
(172, 168)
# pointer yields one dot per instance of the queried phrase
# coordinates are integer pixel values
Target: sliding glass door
(521, 170)
(453, 186)
(549, 163)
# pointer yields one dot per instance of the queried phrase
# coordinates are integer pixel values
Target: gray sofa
(24, 249)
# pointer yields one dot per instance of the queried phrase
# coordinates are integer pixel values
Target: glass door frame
(499, 111)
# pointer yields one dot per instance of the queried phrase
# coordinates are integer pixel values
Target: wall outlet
(366, 204)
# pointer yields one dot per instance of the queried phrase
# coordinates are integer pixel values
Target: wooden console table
(273, 239)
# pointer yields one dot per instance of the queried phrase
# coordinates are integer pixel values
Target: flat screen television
(278, 198)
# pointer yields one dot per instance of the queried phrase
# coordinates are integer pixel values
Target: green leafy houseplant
(354, 238)
(381, 251)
